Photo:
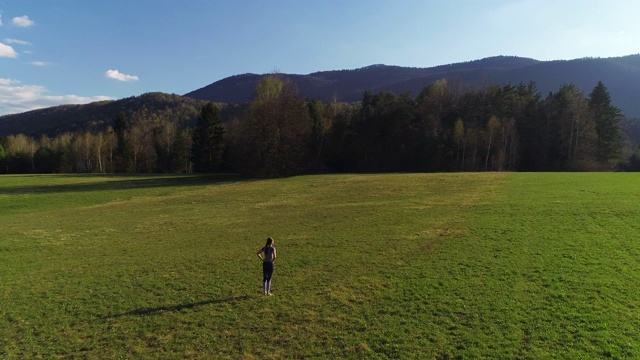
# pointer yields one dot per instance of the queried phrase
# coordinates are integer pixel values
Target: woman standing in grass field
(269, 251)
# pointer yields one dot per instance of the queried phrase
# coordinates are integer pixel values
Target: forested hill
(95, 117)
(621, 75)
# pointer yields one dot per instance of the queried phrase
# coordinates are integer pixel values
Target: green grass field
(425, 266)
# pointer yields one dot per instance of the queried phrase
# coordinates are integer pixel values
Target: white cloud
(7, 82)
(7, 51)
(23, 21)
(16, 97)
(40, 63)
(117, 75)
(16, 41)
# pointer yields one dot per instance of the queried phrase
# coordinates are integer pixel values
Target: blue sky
(76, 51)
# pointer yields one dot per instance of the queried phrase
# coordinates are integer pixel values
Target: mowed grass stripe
(376, 266)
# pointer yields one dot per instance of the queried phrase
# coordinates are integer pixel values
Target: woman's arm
(260, 252)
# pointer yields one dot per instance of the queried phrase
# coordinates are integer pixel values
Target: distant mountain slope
(98, 115)
(620, 75)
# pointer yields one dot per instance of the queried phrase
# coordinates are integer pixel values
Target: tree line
(497, 128)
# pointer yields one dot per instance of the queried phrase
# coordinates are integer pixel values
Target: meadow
(425, 266)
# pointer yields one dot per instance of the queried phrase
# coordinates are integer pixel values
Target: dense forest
(280, 133)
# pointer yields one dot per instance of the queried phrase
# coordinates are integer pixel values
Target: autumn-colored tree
(140, 141)
(271, 141)
(20, 150)
(433, 127)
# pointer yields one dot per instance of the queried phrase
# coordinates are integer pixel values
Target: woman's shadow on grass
(147, 311)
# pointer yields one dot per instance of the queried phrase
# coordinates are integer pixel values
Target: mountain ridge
(97, 116)
(621, 75)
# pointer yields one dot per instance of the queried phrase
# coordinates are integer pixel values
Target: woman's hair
(269, 242)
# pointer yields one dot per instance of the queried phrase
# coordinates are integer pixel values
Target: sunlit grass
(490, 265)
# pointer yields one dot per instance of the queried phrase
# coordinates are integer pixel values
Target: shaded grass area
(19, 193)
(370, 266)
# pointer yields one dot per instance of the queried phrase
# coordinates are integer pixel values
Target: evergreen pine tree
(607, 118)
(123, 156)
(207, 137)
